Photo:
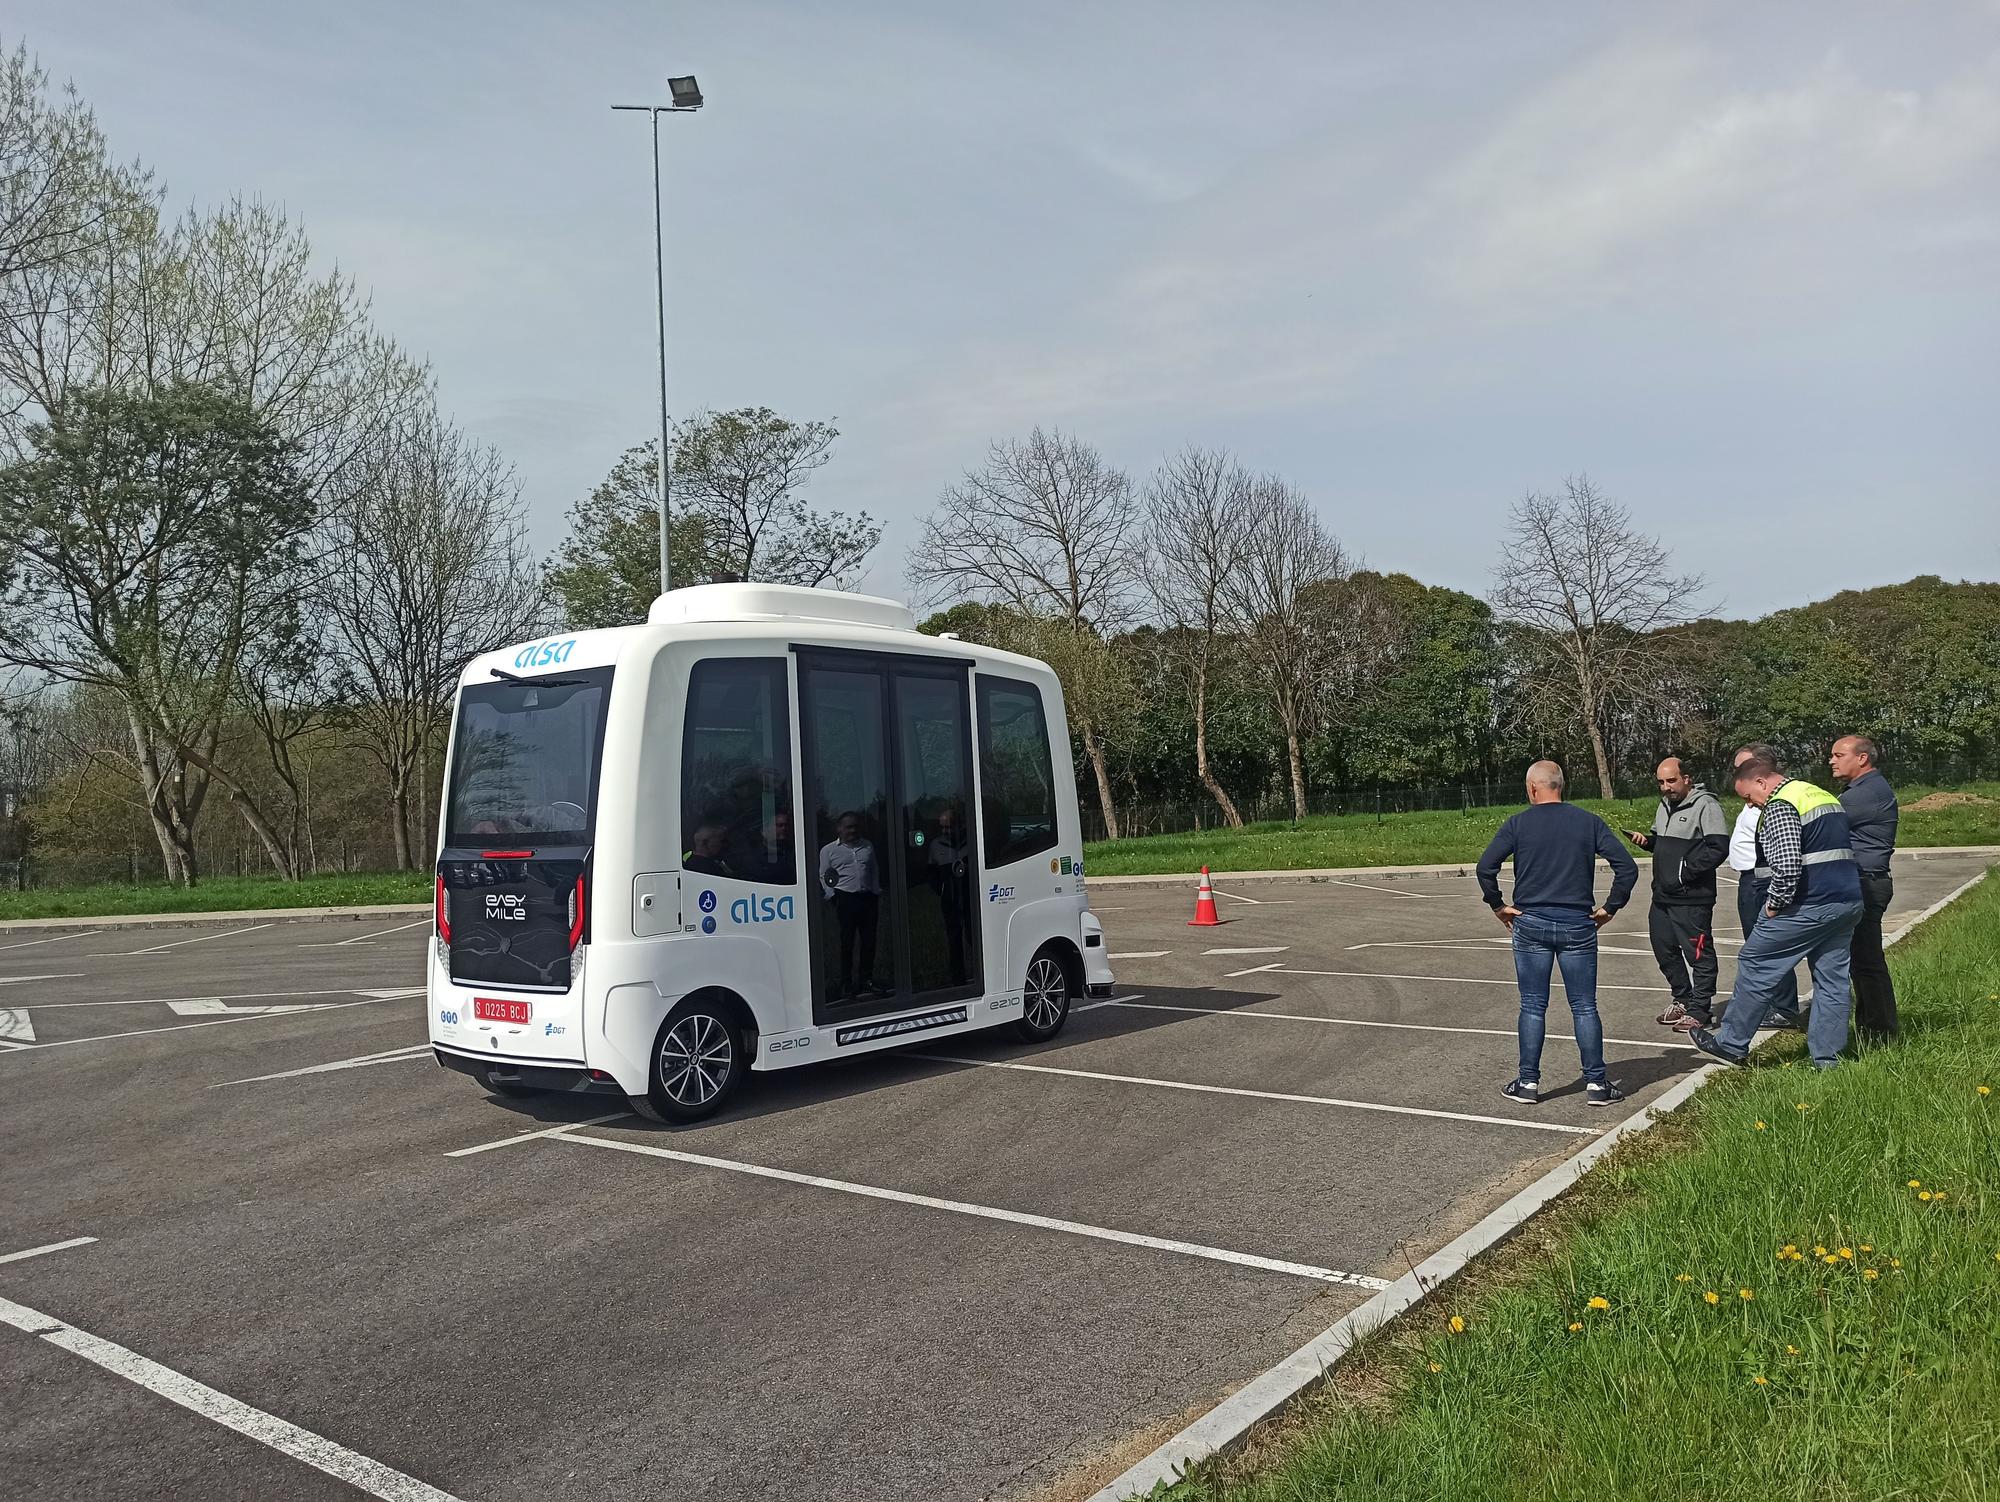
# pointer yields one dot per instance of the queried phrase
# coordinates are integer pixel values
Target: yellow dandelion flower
(1898, 1261)
(1801, 1106)
(1819, 1251)
(1712, 1296)
(1830, 1260)
(1791, 1350)
(1938, 1196)
(1760, 1125)
(1846, 1253)
(1437, 1366)
(1458, 1324)
(1916, 1183)
(1925, 1195)
(1745, 1294)
(1576, 1326)
(1870, 1274)
(1598, 1301)
(1761, 1381)
(1866, 1247)
(1689, 1277)
(1984, 1089)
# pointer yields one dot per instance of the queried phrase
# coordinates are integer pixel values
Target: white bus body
(644, 885)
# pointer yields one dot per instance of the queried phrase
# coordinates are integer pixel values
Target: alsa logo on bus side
(545, 654)
(761, 910)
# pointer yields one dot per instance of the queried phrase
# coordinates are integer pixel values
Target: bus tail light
(443, 914)
(576, 914)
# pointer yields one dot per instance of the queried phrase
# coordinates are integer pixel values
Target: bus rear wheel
(1044, 998)
(698, 1062)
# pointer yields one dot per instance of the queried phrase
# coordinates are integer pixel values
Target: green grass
(218, 894)
(1417, 839)
(1871, 1387)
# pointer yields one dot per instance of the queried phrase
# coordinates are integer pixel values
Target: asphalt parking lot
(323, 1267)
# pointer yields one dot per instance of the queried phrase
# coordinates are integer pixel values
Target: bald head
(1675, 784)
(1545, 783)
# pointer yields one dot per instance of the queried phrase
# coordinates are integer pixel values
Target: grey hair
(1546, 774)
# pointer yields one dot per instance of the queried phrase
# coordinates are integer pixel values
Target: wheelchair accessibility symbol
(708, 902)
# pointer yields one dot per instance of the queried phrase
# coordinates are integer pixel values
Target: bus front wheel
(1044, 998)
(698, 1061)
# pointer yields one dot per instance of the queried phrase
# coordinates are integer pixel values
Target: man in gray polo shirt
(1870, 805)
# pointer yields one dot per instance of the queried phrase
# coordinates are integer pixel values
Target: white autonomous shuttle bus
(769, 827)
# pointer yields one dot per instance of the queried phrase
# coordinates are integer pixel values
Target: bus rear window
(524, 767)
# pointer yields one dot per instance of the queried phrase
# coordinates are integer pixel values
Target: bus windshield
(525, 763)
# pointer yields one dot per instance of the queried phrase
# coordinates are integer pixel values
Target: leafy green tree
(143, 541)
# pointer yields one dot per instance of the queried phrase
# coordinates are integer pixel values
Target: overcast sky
(1741, 264)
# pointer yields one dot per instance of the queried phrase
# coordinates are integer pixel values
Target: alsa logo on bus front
(545, 653)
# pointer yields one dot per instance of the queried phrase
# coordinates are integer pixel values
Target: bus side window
(736, 772)
(1017, 779)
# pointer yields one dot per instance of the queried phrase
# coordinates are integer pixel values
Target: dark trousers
(1684, 947)
(858, 913)
(1750, 895)
(1874, 991)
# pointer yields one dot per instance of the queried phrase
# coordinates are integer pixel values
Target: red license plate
(501, 1011)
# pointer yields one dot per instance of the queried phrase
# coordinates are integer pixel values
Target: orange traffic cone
(1204, 905)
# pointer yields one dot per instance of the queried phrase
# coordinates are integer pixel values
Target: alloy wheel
(1044, 994)
(695, 1058)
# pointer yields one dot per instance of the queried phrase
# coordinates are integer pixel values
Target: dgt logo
(998, 893)
(506, 907)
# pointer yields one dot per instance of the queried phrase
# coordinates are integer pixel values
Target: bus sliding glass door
(888, 779)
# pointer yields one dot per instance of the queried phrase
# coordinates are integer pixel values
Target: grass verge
(1788, 1290)
(219, 894)
(1428, 838)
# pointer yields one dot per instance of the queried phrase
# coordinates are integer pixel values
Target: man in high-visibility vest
(1805, 852)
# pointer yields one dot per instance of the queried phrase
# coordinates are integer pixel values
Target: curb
(246, 915)
(1225, 1426)
(1447, 868)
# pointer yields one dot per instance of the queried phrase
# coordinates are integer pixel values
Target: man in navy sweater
(1554, 917)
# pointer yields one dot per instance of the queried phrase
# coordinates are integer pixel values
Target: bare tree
(1594, 595)
(1197, 516)
(1287, 556)
(741, 472)
(1044, 527)
(428, 566)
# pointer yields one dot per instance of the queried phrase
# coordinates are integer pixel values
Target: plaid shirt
(1779, 837)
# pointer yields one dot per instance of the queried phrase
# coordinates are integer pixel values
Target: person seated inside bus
(705, 855)
(851, 878)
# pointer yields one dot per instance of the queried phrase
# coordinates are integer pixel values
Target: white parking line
(1304, 1100)
(1452, 980)
(1253, 970)
(1233, 897)
(181, 1027)
(197, 939)
(388, 1056)
(53, 1246)
(59, 938)
(1109, 1001)
(1362, 886)
(988, 1212)
(1139, 954)
(1416, 1027)
(365, 938)
(317, 1451)
(1252, 949)
(518, 1137)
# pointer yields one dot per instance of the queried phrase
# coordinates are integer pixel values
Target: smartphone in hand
(1635, 836)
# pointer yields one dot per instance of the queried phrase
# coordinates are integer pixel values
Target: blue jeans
(1541, 941)
(1819, 934)
(1750, 894)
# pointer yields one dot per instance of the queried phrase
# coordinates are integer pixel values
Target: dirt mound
(1932, 802)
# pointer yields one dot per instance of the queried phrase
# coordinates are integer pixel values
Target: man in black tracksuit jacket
(1690, 838)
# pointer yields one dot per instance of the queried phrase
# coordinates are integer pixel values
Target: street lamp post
(686, 98)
